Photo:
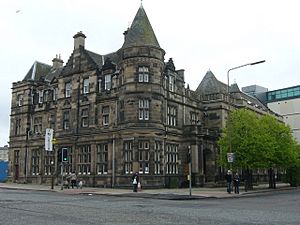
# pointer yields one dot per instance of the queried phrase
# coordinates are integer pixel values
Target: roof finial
(141, 3)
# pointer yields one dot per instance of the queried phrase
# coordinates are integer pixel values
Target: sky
(199, 35)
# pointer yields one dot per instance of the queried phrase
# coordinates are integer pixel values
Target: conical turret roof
(140, 33)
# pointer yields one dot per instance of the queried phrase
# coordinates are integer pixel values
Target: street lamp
(52, 174)
(237, 67)
(248, 64)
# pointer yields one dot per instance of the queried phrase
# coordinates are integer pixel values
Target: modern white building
(285, 102)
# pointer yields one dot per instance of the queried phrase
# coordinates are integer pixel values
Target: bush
(293, 176)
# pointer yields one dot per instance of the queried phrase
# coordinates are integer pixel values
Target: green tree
(259, 142)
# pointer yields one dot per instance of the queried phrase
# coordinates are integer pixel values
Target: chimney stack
(79, 40)
(57, 62)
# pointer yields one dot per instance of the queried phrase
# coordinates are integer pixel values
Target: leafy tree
(259, 142)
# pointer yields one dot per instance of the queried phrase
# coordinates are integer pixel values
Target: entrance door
(16, 172)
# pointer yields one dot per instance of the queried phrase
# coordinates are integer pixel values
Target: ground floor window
(49, 163)
(144, 156)
(128, 152)
(102, 158)
(84, 160)
(171, 159)
(35, 162)
(157, 157)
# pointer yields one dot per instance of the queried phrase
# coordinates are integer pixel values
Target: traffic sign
(230, 157)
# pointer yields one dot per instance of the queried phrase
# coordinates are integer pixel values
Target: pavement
(167, 194)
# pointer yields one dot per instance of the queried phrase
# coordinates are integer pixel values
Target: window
(37, 125)
(128, 152)
(55, 94)
(68, 89)
(172, 116)
(102, 158)
(84, 159)
(105, 115)
(48, 166)
(171, 159)
(144, 156)
(66, 120)
(143, 109)
(157, 157)
(41, 96)
(84, 118)
(99, 85)
(143, 74)
(194, 118)
(18, 127)
(171, 83)
(20, 100)
(16, 157)
(107, 84)
(35, 162)
(52, 121)
(86, 86)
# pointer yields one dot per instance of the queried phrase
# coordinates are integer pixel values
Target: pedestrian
(228, 178)
(73, 179)
(236, 183)
(135, 181)
(80, 184)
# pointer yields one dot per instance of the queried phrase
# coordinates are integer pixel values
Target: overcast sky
(198, 34)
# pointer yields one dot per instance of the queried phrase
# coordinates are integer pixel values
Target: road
(19, 207)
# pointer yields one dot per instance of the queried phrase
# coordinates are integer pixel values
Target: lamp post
(248, 64)
(52, 174)
(190, 169)
(234, 68)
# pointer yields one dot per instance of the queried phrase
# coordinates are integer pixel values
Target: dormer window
(41, 96)
(143, 74)
(171, 83)
(68, 89)
(86, 86)
(107, 84)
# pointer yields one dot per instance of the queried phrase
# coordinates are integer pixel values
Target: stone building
(119, 113)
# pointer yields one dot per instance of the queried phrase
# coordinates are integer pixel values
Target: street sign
(230, 157)
(48, 139)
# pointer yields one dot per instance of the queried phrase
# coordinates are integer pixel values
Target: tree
(259, 142)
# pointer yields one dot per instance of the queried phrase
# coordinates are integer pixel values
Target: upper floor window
(143, 74)
(68, 89)
(172, 116)
(41, 96)
(194, 118)
(86, 86)
(107, 83)
(37, 125)
(20, 100)
(55, 94)
(84, 118)
(66, 120)
(18, 127)
(171, 83)
(143, 109)
(105, 115)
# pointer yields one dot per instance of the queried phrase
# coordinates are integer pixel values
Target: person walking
(135, 181)
(228, 178)
(73, 180)
(236, 183)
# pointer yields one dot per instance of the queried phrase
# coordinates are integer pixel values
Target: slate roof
(210, 85)
(140, 33)
(37, 71)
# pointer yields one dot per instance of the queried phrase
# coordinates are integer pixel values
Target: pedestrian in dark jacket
(135, 181)
(236, 183)
(228, 178)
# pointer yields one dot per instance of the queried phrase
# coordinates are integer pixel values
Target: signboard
(48, 139)
(230, 157)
